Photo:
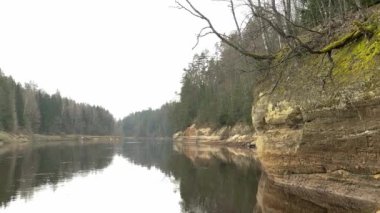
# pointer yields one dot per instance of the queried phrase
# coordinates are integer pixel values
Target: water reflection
(113, 189)
(209, 181)
(26, 167)
(147, 177)
(127, 177)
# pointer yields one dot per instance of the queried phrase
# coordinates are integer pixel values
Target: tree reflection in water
(208, 179)
(24, 168)
(206, 184)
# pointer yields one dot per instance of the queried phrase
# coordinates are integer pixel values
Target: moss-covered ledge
(367, 29)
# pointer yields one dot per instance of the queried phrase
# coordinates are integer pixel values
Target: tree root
(329, 73)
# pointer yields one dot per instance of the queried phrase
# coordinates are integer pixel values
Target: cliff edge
(317, 122)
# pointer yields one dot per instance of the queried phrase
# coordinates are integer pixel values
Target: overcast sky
(123, 55)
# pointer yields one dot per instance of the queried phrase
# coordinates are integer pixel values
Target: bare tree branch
(275, 12)
(180, 6)
(202, 34)
(194, 11)
(267, 15)
(277, 28)
(235, 19)
(233, 7)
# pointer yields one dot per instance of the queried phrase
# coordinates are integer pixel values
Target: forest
(27, 109)
(217, 88)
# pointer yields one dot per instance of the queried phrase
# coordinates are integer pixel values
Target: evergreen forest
(27, 109)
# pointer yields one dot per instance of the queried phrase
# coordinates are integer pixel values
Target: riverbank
(239, 135)
(13, 139)
(147, 138)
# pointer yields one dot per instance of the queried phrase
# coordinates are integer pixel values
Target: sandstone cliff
(238, 135)
(317, 123)
(322, 133)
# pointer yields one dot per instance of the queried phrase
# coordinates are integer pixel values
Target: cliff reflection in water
(207, 184)
(24, 168)
(197, 178)
(270, 196)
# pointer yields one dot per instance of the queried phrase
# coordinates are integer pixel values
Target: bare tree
(211, 29)
(279, 22)
(272, 18)
(232, 5)
(277, 26)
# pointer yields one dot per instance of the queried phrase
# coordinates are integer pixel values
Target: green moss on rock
(357, 59)
(367, 29)
(305, 81)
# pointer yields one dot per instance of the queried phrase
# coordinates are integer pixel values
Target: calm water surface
(126, 177)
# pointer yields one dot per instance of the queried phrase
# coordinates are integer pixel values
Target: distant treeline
(214, 93)
(150, 123)
(27, 109)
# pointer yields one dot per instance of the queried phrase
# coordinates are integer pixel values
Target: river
(149, 176)
(125, 177)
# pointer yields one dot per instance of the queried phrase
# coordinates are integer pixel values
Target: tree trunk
(262, 29)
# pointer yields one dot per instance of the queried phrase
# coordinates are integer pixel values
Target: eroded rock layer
(330, 150)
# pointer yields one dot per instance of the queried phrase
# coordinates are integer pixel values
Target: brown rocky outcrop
(276, 197)
(331, 151)
(319, 134)
(238, 135)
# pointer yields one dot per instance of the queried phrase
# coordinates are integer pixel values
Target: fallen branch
(363, 30)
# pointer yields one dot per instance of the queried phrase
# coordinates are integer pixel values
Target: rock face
(275, 197)
(239, 134)
(328, 139)
(323, 134)
(329, 150)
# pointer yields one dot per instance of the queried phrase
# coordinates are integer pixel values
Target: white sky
(123, 55)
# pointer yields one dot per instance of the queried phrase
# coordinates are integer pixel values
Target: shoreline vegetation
(15, 139)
